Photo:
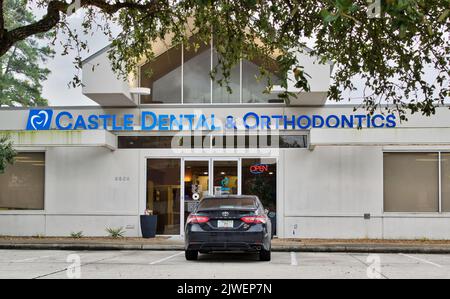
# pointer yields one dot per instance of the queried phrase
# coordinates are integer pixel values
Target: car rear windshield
(227, 203)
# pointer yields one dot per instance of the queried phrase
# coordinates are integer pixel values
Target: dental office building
(323, 171)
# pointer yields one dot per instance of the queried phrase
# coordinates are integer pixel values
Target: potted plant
(148, 224)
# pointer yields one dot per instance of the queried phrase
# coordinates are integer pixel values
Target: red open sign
(259, 168)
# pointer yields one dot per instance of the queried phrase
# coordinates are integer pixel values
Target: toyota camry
(228, 223)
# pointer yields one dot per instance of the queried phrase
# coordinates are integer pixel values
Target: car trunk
(226, 219)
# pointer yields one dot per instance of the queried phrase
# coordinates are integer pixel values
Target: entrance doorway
(176, 186)
(230, 176)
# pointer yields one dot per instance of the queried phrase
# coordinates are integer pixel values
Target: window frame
(211, 102)
(32, 212)
(439, 152)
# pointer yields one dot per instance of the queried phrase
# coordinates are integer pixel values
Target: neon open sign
(259, 168)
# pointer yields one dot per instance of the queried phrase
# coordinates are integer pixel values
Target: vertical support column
(182, 192)
(440, 182)
(239, 165)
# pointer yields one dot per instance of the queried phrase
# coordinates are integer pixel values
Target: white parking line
(31, 259)
(421, 260)
(167, 258)
(293, 259)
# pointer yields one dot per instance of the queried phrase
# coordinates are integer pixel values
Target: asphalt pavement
(51, 264)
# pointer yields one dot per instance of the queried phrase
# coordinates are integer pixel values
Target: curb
(275, 248)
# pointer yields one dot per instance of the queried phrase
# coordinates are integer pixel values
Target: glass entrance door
(222, 176)
(226, 177)
(196, 183)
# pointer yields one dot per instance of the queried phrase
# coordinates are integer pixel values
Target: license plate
(225, 224)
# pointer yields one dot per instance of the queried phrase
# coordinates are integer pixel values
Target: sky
(62, 68)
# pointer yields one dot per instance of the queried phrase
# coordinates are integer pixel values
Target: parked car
(228, 223)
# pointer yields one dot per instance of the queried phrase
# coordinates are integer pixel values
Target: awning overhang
(53, 138)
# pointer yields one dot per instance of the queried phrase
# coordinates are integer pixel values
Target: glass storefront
(225, 177)
(259, 177)
(205, 177)
(163, 75)
(163, 194)
(196, 184)
(182, 75)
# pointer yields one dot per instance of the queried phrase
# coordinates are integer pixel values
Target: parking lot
(172, 264)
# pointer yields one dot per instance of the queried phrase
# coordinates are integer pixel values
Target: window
(163, 76)
(221, 94)
(445, 166)
(411, 182)
(183, 75)
(22, 185)
(164, 194)
(151, 142)
(225, 177)
(218, 142)
(259, 177)
(227, 203)
(197, 75)
(293, 141)
(163, 142)
(253, 89)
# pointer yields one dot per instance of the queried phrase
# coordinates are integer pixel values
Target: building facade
(323, 171)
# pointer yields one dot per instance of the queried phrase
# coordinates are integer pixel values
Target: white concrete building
(91, 168)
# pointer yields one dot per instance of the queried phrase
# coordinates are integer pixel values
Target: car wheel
(265, 255)
(191, 255)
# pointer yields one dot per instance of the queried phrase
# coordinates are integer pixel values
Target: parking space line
(31, 259)
(166, 259)
(294, 259)
(421, 260)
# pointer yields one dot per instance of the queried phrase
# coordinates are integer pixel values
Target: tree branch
(53, 16)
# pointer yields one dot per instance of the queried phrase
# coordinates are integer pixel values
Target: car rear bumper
(227, 241)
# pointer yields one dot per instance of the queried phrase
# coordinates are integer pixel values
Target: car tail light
(196, 219)
(254, 219)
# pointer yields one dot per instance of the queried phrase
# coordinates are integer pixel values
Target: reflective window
(197, 75)
(163, 76)
(196, 184)
(254, 87)
(228, 203)
(218, 142)
(225, 177)
(293, 141)
(411, 182)
(259, 177)
(22, 185)
(164, 194)
(151, 142)
(221, 94)
(445, 182)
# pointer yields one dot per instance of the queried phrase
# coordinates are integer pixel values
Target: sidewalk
(285, 245)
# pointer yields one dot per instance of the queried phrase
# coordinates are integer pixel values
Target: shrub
(76, 235)
(116, 233)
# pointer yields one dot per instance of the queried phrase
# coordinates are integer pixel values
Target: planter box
(148, 226)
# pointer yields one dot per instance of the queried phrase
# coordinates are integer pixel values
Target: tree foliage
(7, 153)
(21, 74)
(390, 53)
